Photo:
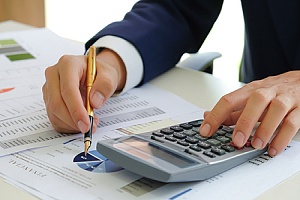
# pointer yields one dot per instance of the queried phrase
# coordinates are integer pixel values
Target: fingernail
(97, 99)
(257, 143)
(272, 152)
(239, 139)
(205, 129)
(82, 126)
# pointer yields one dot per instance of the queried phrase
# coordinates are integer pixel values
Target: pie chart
(95, 162)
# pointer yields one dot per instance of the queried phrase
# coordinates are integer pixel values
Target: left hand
(273, 101)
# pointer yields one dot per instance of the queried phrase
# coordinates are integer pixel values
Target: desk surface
(201, 89)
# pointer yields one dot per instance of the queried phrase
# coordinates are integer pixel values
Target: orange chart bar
(6, 90)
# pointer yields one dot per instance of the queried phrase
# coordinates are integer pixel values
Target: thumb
(104, 86)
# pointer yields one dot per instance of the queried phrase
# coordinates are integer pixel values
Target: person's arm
(162, 31)
(130, 57)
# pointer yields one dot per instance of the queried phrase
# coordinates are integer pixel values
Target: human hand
(273, 101)
(65, 89)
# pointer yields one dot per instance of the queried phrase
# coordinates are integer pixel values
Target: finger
(277, 110)
(255, 107)
(288, 130)
(231, 119)
(234, 116)
(54, 102)
(104, 86)
(226, 105)
(95, 124)
(60, 126)
(70, 79)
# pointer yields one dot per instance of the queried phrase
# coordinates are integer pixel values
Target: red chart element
(6, 90)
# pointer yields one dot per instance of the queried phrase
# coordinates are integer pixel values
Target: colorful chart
(95, 162)
(13, 51)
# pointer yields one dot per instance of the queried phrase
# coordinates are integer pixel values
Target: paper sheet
(139, 105)
(23, 120)
(62, 166)
(20, 106)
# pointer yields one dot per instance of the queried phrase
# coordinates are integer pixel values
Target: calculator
(178, 153)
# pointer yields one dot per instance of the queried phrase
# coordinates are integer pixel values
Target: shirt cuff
(130, 56)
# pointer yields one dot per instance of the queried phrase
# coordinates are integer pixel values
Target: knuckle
(281, 102)
(65, 58)
(75, 112)
(264, 133)
(52, 105)
(245, 122)
(254, 84)
(291, 124)
(49, 71)
(64, 90)
(44, 88)
(261, 95)
(109, 85)
(228, 99)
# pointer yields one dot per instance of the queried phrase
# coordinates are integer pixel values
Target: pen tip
(87, 145)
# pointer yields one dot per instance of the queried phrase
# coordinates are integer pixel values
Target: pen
(90, 76)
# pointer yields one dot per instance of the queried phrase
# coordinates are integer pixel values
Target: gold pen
(90, 76)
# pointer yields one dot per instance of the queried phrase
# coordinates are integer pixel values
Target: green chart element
(7, 42)
(23, 56)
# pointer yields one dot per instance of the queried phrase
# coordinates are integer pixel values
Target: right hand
(65, 87)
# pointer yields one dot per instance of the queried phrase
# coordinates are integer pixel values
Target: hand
(65, 87)
(273, 101)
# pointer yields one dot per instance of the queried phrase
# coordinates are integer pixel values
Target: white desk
(198, 88)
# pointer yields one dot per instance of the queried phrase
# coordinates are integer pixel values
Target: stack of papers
(50, 165)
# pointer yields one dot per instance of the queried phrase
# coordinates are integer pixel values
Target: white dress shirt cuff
(130, 56)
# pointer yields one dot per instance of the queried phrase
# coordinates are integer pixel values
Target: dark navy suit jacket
(163, 30)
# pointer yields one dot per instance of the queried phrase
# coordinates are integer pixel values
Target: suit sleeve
(162, 31)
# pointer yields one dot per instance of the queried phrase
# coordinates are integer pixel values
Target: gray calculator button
(213, 142)
(209, 154)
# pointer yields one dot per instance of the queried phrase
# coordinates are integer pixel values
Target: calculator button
(221, 132)
(223, 139)
(196, 123)
(228, 135)
(167, 131)
(213, 136)
(204, 145)
(183, 143)
(217, 151)
(196, 129)
(228, 148)
(201, 138)
(195, 147)
(227, 129)
(158, 134)
(209, 154)
(189, 132)
(191, 140)
(213, 142)
(179, 135)
(186, 126)
(170, 138)
(176, 128)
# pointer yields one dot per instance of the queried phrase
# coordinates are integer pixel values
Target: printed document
(24, 123)
(63, 169)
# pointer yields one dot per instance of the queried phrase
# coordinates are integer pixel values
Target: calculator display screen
(150, 152)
